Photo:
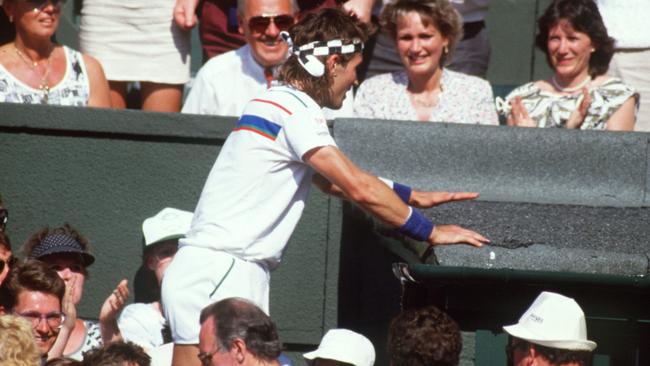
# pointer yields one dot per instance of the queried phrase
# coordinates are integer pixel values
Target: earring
(11, 19)
(445, 50)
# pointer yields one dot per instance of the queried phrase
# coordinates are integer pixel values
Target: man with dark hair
(552, 332)
(257, 189)
(35, 292)
(236, 331)
(117, 354)
(424, 337)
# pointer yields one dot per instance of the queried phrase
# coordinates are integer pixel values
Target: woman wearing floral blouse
(425, 33)
(579, 95)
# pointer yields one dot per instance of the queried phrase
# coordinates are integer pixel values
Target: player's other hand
(454, 234)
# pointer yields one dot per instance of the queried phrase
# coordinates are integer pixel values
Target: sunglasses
(41, 4)
(259, 24)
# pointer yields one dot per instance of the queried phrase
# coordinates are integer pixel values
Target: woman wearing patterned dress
(425, 32)
(35, 70)
(579, 95)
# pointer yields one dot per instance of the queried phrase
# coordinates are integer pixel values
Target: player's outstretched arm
(337, 175)
(430, 199)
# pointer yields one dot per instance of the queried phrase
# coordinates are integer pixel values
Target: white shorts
(198, 277)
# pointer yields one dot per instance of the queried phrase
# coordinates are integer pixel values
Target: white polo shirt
(256, 190)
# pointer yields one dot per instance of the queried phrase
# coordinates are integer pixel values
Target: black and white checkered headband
(306, 53)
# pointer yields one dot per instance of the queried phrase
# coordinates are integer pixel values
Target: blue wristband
(417, 226)
(404, 192)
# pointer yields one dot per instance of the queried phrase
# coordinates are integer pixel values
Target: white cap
(170, 223)
(345, 346)
(555, 321)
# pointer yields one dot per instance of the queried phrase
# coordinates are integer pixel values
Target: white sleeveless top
(72, 90)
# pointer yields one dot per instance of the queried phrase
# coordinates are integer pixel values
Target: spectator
(278, 148)
(17, 343)
(471, 54)
(117, 354)
(551, 332)
(235, 331)
(340, 347)
(7, 260)
(627, 23)
(141, 323)
(426, 32)
(138, 41)
(422, 337)
(35, 293)
(579, 95)
(67, 252)
(227, 82)
(36, 70)
(219, 25)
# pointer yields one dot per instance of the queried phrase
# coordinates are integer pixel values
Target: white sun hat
(555, 321)
(345, 346)
(168, 224)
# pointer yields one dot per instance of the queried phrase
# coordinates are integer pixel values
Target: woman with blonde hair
(17, 344)
(425, 33)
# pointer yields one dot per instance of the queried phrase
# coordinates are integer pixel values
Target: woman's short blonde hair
(17, 344)
(439, 13)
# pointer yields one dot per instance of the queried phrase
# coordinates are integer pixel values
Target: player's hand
(431, 199)
(454, 234)
(185, 13)
(519, 114)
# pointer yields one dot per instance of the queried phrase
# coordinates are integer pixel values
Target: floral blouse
(553, 110)
(73, 89)
(464, 99)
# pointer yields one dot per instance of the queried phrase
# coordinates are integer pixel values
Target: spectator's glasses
(206, 357)
(53, 320)
(9, 262)
(41, 4)
(4, 216)
(259, 24)
(511, 348)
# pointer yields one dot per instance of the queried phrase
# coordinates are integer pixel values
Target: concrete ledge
(541, 257)
(101, 122)
(504, 164)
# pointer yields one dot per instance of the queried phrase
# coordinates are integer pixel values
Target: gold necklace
(43, 86)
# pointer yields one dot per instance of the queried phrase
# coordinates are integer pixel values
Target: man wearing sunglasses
(228, 81)
(35, 292)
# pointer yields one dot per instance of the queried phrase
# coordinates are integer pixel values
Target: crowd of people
(213, 265)
(426, 60)
(39, 295)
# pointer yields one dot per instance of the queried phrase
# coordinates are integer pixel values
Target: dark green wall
(105, 171)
